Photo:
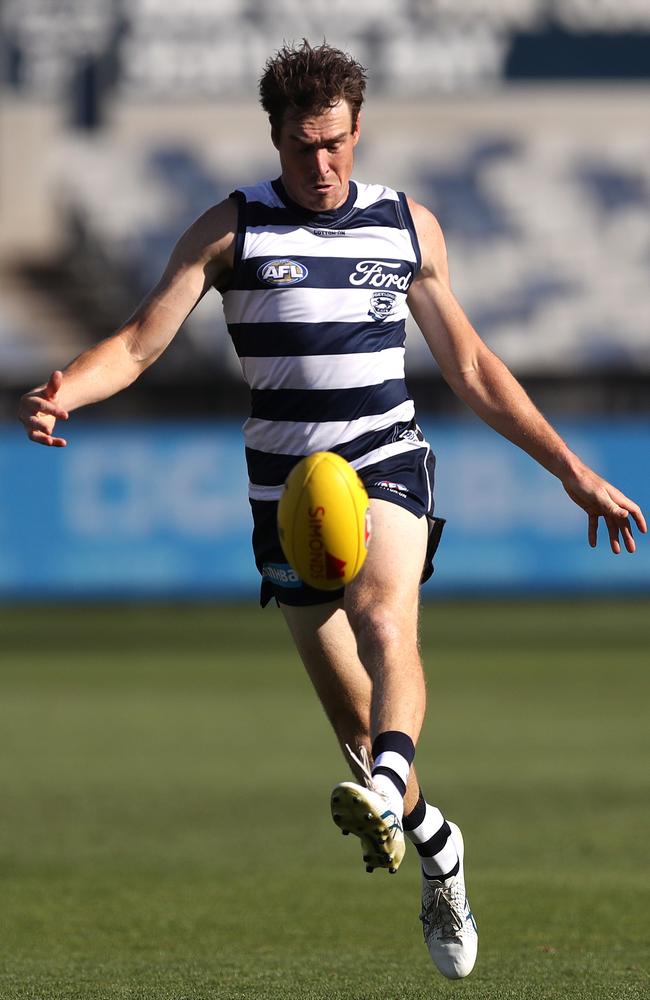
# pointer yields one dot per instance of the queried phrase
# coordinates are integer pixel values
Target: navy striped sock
(393, 754)
(428, 830)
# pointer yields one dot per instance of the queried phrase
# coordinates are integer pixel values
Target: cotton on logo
(282, 272)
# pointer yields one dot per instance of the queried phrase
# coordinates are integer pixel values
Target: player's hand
(39, 411)
(600, 499)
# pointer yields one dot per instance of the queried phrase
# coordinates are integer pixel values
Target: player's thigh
(391, 575)
(328, 649)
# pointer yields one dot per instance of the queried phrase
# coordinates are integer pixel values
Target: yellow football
(324, 521)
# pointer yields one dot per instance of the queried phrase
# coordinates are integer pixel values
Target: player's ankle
(393, 752)
(429, 832)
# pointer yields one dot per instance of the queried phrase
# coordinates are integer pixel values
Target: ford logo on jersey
(381, 274)
(282, 271)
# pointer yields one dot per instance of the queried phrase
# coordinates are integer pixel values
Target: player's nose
(321, 163)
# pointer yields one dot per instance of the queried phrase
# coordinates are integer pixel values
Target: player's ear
(356, 129)
(275, 134)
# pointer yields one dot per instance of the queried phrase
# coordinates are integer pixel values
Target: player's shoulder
(219, 219)
(213, 233)
(426, 224)
(430, 239)
(430, 236)
(262, 193)
(423, 219)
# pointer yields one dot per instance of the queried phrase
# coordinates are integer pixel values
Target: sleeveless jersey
(316, 309)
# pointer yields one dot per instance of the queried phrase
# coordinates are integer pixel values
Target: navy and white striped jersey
(316, 309)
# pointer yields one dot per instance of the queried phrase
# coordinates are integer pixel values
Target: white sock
(387, 788)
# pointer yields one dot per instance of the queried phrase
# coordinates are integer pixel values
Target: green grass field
(164, 809)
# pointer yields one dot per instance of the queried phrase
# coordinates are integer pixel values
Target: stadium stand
(44, 41)
(154, 49)
(544, 200)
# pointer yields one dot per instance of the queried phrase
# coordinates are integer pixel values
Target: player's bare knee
(379, 628)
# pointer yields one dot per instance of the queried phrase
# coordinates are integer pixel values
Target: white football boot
(449, 927)
(366, 812)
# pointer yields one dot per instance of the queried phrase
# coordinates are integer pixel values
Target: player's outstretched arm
(482, 381)
(200, 259)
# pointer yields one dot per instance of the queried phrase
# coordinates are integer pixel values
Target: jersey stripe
(302, 437)
(324, 371)
(269, 468)
(365, 241)
(373, 194)
(374, 272)
(311, 339)
(383, 213)
(338, 404)
(296, 304)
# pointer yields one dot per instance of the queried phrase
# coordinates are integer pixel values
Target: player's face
(316, 154)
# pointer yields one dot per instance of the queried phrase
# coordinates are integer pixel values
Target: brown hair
(308, 80)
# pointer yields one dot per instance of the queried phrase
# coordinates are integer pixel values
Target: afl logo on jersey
(282, 271)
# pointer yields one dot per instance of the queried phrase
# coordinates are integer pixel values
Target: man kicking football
(317, 274)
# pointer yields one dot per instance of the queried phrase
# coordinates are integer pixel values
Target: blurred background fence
(524, 124)
(144, 510)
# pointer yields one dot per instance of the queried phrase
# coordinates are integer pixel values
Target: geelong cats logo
(381, 305)
(282, 271)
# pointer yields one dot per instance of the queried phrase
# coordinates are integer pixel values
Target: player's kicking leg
(382, 607)
(329, 651)
(362, 710)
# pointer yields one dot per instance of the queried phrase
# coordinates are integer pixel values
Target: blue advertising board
(511, 526)
(143, 510)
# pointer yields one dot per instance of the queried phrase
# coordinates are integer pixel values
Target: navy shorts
(405, 479)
